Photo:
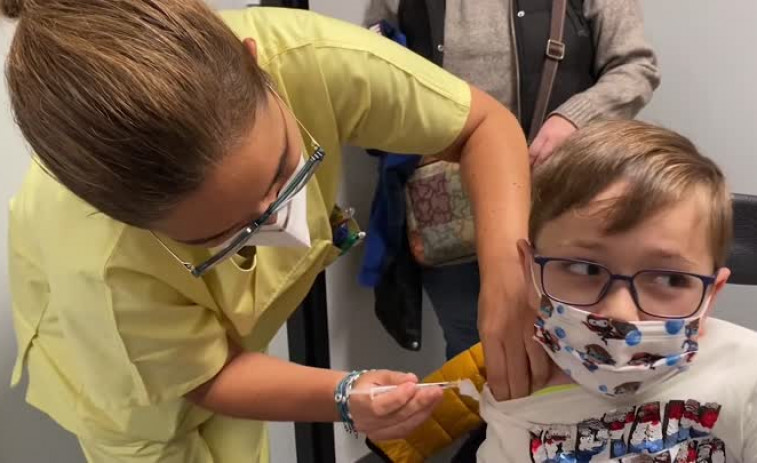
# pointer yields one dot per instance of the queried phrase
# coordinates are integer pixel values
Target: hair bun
(11, 8)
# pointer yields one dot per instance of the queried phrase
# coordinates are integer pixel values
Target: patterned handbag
(439, 216)
(440, 223)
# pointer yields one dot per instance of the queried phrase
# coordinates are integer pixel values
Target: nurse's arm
(493, 156)
(257, 386)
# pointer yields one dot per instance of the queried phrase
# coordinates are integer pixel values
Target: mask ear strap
(544, 300)
(533, 280)
(706, 306)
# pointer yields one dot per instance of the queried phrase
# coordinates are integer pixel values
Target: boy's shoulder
(724, 363)
(722, 370)
(719, 337)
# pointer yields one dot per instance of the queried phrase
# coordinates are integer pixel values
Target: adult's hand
(515, 364)
(554, 131)
(395, 414)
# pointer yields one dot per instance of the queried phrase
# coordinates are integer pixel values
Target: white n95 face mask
(290, 228)
(611, 357)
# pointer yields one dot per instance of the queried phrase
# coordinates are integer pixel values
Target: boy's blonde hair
(660, 166)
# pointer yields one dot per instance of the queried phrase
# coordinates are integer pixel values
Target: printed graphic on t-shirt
(674, 432)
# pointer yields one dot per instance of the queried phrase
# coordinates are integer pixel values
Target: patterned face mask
(614, 358)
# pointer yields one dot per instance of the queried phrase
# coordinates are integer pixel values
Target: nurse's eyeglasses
(298, 182)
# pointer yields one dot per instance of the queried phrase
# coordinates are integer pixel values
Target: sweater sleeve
(624, 61)
(381, 9)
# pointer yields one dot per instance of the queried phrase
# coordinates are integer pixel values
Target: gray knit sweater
(479, 48)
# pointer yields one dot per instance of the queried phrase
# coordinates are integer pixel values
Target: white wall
(706, 94)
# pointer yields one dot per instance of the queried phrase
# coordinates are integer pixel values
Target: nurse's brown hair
(659, 166)
(129, 103)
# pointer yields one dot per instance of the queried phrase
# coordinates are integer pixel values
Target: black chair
(743, 258)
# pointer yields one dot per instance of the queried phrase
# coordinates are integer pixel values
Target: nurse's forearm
(493, 156)
(261, 387)
(494, 164)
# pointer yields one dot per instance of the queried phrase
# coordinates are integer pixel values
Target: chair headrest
(743, 257)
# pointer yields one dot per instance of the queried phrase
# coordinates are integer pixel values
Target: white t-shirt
(705, 414)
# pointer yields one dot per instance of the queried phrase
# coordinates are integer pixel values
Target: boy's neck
(557, 377)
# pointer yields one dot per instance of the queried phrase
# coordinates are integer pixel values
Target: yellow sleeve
(380, 94)
(137, 339)
(387, 97)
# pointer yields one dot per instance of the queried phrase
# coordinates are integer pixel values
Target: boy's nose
(618, 303)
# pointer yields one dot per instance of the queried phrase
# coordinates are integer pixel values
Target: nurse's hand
(394, 414)
(515, 364)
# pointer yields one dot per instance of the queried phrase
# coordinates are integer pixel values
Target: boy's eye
(583, 268)
(672, 280)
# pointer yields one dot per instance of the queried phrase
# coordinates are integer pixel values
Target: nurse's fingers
(539, 363)
(370, 414)
(385, 405)
(517, 364)
(410, 417)
(424, 399)
(496, 367)
(389, 402)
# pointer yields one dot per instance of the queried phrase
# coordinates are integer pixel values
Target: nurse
(182, 202)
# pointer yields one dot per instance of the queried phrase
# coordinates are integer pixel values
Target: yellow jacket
(454, 417)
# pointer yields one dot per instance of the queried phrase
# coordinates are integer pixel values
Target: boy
(628, 237)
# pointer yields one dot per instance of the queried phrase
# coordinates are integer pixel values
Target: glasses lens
(669, 294)
(574, 282)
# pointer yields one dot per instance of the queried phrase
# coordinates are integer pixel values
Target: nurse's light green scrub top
(113, 332)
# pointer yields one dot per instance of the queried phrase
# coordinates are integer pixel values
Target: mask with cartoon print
(615, 358)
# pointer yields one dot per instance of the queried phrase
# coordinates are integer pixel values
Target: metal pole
(308, 334)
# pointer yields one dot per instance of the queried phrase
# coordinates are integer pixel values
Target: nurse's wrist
(329, 396)
(342, 393)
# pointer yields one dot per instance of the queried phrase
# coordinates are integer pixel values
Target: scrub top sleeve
(387, 97)
(141, 342)
(173, 344)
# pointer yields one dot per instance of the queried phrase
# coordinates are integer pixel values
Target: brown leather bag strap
(554, 53)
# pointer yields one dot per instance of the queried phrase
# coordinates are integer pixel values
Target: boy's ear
(721, 278)
(525, 252)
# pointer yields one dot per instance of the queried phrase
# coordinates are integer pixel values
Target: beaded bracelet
(342, 397)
